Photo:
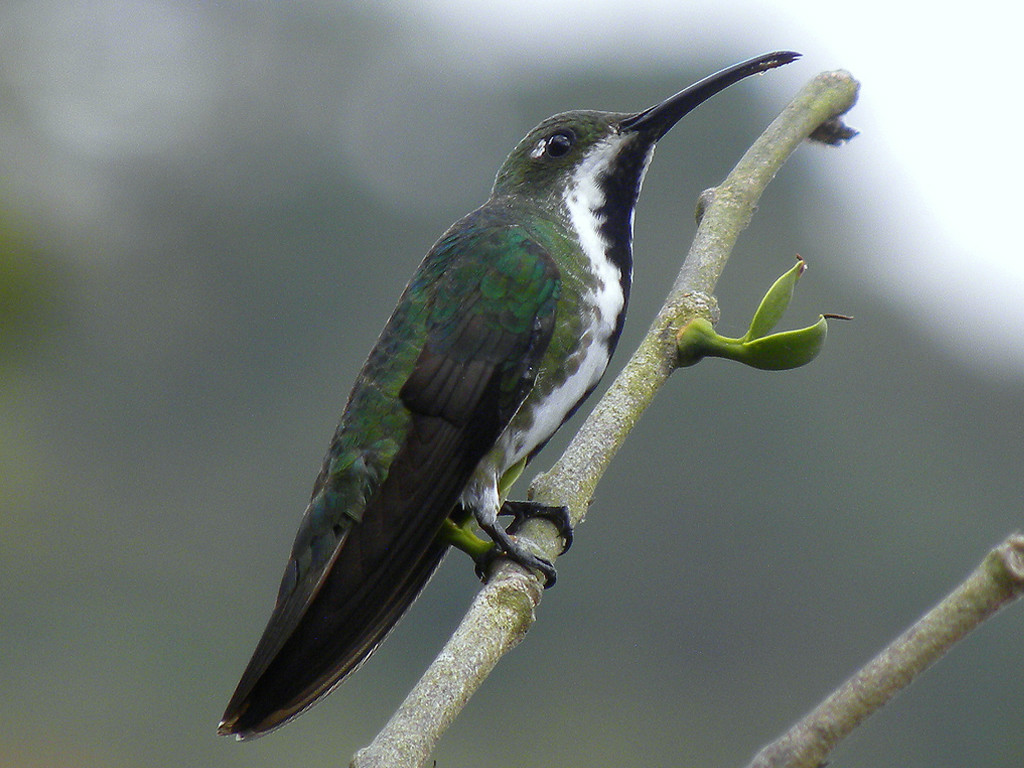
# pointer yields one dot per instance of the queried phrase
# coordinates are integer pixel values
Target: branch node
(1010, 555)
(692, 305)
(707, 197)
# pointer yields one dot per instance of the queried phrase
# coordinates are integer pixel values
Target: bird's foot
(517, 553)
(521, 511)
(506, 545)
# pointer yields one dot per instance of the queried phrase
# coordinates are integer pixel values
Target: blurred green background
(207, 212)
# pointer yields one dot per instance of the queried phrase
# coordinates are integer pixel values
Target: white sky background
(937, 170)
(940, 108)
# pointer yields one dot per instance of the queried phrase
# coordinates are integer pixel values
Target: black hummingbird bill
(505, 329)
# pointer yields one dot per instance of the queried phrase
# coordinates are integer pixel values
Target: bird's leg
(507, 546)
(457, 531)
(505, 543)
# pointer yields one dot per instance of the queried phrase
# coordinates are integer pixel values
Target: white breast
(603, 302)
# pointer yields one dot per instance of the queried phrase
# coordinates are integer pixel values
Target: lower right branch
(998, 581)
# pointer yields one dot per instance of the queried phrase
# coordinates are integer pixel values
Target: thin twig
(503, 611)
(996, 582)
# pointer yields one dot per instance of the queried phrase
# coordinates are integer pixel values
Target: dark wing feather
(490, 320)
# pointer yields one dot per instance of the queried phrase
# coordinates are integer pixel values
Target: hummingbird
(505, 329)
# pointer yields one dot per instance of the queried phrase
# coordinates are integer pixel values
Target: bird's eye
(559, 144)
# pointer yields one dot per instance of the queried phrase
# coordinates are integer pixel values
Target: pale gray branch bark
(503, 611)
(995, 583)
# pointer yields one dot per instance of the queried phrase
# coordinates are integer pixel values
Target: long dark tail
(292, 683)
(383, 564)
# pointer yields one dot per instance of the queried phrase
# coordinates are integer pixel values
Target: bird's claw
(521, 511)
(517, 555)
(505, 545)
